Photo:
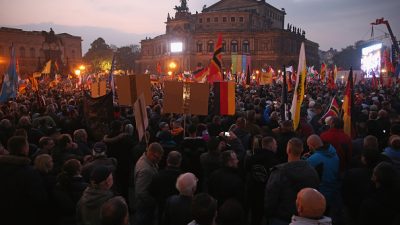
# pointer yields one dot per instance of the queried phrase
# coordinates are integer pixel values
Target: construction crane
(395, 43)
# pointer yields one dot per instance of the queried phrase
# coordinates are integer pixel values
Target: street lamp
(82, 67)
(169, 73)
(172, 65)
(78, 72)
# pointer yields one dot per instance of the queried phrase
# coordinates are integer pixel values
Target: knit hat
(100, 174)
(99, 148)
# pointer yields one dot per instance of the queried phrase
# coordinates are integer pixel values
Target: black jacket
(226, 183)
(22, 194)
(177, 210)
(285, 181)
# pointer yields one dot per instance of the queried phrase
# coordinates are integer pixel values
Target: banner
(266, 78)
(10, 79)
(98, 113)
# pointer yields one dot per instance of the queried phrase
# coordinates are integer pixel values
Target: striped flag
(333, 109)
(216, 63)
(298, 95)
(224, 98)
(200, 75)
(347, 104)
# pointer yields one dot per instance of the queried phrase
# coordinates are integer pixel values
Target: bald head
(314, 142)
(310, 203)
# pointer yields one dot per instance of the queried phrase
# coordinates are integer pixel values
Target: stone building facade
(33, 50)
(248, 27)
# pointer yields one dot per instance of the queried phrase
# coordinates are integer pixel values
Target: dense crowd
(250, 168)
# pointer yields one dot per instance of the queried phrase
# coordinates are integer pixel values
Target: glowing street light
(257, 72)
(77, 72)
(82, 67)
(172, 65)
(169, 73)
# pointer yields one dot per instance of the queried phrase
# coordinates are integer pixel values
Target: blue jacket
(326, 162)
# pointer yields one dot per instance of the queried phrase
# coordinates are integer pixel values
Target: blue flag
(10, 80)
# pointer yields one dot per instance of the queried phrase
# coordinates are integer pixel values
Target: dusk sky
(331, 23)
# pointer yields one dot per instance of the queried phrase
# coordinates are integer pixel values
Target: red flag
(216, 63)
(333, 109)
(159, 70)
(323, 72)
(201, 75)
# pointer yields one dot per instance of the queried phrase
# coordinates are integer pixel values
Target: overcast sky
(331, 23)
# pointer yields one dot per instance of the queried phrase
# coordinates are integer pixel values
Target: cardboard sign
(198, 100)
(131, 86)
(98, 89)
(173, 97)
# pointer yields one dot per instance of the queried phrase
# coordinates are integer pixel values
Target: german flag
(224, 98)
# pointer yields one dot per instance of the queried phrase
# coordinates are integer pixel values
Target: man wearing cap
(98, 192)
(145, 170)
(99, 158)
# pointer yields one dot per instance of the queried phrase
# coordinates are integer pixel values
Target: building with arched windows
(249, 27)
(32, 51)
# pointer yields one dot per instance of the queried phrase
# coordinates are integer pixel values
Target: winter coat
(226, 183)
(22, 194)
(89, 206)
(285, 181)
(393, 155)
(178, 210)
(326, 162)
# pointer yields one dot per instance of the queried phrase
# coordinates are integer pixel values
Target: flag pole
(284, 95)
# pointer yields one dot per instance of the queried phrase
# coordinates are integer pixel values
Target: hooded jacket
(88, 207)
(326, 162)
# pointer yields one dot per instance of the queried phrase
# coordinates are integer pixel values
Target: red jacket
(342, 144)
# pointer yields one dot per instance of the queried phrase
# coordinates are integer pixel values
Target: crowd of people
(252, 168)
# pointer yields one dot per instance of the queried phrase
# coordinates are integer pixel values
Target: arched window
(73, 54)
(210, 46)
(223, 46)
(199, 47)
(22, 52)
(246, 47)
(32, 52)
(41, 53)
(234, 46)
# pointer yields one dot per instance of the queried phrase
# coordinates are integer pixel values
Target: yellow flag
(298, 95)
(47, 68)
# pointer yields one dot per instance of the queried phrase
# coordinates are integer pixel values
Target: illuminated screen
(176, 47)
(371, 60)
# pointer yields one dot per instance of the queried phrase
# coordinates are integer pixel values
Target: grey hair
(186, 184)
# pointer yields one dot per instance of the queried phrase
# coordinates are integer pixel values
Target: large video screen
(176, 47)
(371, 60)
